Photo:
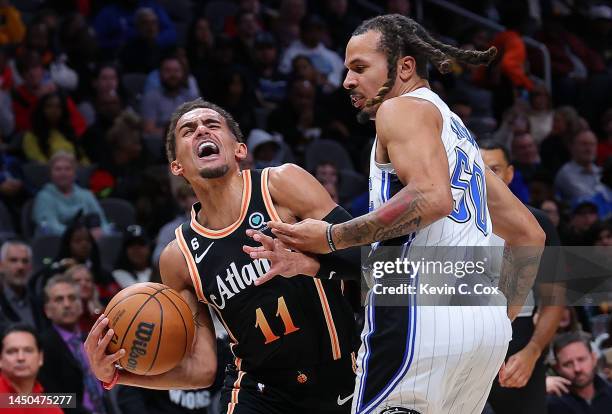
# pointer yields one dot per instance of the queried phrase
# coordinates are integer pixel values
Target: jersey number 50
(474, 187)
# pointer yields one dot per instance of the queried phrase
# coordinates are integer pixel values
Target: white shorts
(429, 359)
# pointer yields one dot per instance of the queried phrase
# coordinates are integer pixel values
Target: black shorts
(324, 389)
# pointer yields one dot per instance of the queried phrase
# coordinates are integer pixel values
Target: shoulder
(286, 174)
(407, 110)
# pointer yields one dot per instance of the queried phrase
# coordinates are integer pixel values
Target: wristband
(109, 385)
(330, 241)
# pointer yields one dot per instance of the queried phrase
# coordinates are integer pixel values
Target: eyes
(187, 131)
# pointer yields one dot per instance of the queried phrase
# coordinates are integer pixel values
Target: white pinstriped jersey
(469, 224)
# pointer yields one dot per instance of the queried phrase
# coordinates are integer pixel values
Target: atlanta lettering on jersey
(236, 281)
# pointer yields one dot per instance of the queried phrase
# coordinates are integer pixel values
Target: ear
(46, 309)
(406, 67)
(240, 151)
(510, 174)
(176, 168)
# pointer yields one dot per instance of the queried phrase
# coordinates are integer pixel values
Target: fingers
(101, 349)
(289, 241)
(266, 277)
(96, 332)
(283, 228)
(112, 358)
(249, 249)
(266, 241)
(263, 254)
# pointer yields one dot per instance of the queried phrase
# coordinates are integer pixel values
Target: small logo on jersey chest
(256, 220)
(398, 410)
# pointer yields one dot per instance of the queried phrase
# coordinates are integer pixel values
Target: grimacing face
(367, 70)
(205, 146)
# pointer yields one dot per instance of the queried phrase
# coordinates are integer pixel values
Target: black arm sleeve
(341, 264)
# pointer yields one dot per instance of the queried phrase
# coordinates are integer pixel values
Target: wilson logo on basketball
(144, 332)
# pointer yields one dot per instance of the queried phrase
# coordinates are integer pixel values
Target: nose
(349, 81)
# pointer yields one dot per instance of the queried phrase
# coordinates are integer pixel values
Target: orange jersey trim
(234, 400)
(329, 320)
(267, 198)
(191, 265)
(244, 207)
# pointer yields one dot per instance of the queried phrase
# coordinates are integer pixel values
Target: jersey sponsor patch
(256, 220)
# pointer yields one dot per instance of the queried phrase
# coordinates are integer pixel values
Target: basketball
(154, 325)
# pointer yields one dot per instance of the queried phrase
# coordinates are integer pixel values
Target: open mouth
(207, 149)
(357, 100)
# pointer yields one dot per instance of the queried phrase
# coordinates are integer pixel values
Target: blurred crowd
(87, 203)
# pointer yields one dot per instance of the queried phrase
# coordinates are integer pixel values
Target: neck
(586, 393)
(221, 199)
(22, 385)
(584, 164)
(18, 290)
(412, 85)
(65, 190)
(69, 327)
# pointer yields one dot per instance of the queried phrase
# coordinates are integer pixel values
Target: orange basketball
(154, 325)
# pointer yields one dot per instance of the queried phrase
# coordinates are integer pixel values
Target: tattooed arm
(524, 237)
(408, 132)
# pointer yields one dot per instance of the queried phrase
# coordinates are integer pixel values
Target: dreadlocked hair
(402, 36)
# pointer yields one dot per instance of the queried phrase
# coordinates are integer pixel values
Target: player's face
(367, 70)
(577, 364)
(205, 146)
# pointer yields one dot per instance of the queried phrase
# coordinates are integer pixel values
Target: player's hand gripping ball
(154, 325)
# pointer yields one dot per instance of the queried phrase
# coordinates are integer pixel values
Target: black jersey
(283, 323)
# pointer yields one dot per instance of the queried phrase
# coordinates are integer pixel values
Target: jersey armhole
(191, 265)
(267, 198)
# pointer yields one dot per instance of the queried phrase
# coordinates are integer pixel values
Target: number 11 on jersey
(262, 323)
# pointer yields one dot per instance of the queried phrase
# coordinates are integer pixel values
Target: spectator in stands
(13, 190)
(68, 369)
(604, 148)
(6, 71)
(134, 264)
(298, 120)
(267, 149)
(77, 246)
(51, 131)
(105, 83)
(303, 69)
(583, 215)
(514, 122)
(341, 23)
(235, 94)
(399, 6)
(231, 29)
(185, 198)
(310, 44)
(158, 105)
(78, 41)
(580, 177)
(247, 29)
(34, 86)
(142, 54)
(119, 171)
(525, 156)
(555, 148)
(540, 114)
(326, 173)
(12, 29)
(270, 84)
(21, 356)
(600, 234)
(552, 210)
(576, 361)
(107, 108)
(92, 308)
(17, 301)
(61, 200)
(153, 81)
(115, 25)
(199, 46)
(286, 28)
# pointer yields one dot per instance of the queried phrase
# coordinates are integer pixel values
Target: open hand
(284, 262)
(306, 236)
(101, 364)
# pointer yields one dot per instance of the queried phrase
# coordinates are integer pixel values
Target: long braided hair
(402, 36)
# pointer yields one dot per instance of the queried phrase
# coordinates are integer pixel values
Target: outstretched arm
(408, 132)
(198, 367)
(524, 237)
